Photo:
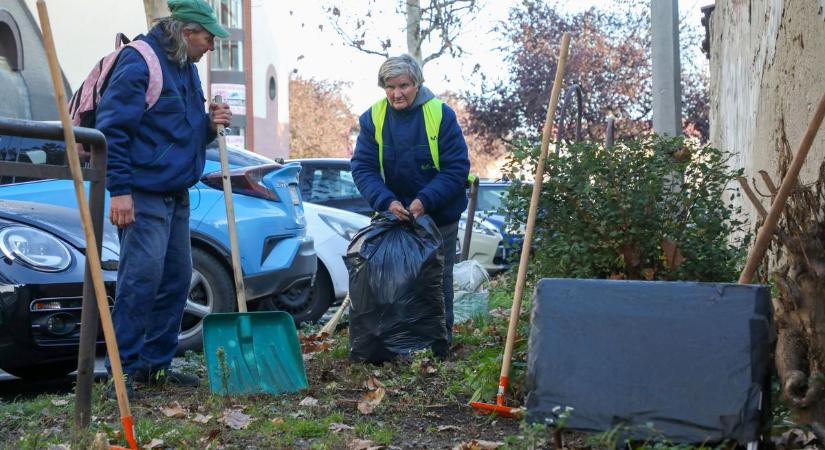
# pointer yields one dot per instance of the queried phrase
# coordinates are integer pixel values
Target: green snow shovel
(249, 353)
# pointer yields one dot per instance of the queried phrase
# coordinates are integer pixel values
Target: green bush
(611, 212)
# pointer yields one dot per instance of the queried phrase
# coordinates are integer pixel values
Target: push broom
(91, 243)
(499, 407)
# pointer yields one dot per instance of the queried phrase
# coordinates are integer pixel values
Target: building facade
(246, 69)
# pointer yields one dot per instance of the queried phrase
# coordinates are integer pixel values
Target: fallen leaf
(59, 447)
(337, 427)
(447, 428)
(101, 441)
(277, 420)
(427, 367)
(373, 383)
(154, 443)
(309, 401)
(173, 410)
(477, 444)
(200, 418)
(235, 419)
(363, 444)
(370, 401)
(56, 402)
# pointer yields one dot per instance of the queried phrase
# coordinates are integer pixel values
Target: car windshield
(238, 157)
(490, 198)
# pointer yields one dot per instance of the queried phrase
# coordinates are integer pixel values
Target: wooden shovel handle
(240, 291)
(763, 237)
(92, 256)
(534, 202)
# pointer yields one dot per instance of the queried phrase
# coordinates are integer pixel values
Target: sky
(318, 51)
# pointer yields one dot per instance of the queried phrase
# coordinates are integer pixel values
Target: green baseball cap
(197, 11)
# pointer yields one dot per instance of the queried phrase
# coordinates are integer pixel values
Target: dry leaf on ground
(363, 444)
(235, 419)
(57, 402)
(447, 428)
(200, 418)
(59, 447)
(154, 443)
(373, 383)
(477, 444)
(338, 427)
(173, 410)
(370, 401)
(277, 420)
(427, 367)
(309, 401)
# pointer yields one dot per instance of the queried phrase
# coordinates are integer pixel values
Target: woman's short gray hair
(395, 66)
(175, 45)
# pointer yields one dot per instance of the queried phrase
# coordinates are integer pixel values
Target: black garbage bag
(395, 278)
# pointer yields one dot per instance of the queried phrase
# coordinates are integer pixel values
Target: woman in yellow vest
(411, 158)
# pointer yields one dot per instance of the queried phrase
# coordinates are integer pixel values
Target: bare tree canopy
(438, 23)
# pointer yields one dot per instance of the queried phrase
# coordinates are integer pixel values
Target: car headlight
(34, 248)
(343, 228)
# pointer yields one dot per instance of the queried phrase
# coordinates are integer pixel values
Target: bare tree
(437, 21)
(154, 9)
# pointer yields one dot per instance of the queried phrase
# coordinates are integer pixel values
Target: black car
(42, 248)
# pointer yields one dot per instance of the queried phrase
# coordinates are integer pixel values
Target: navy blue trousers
(154, 273)
(449, 233)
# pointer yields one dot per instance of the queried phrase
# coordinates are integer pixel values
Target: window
(333, 184)
(228, 55)
(273, 88)
(229, 12)
(31, 151)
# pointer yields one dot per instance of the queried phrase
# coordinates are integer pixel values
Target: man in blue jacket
(155, 155)
(411, 159)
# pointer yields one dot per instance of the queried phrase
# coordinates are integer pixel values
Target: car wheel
(44, 371)
(211, 290)
(305, 304)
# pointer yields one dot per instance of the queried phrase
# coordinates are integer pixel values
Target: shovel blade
(253, 353)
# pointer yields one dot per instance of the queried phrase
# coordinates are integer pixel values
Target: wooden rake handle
(92, 255)
(534, 202)
(765, 234)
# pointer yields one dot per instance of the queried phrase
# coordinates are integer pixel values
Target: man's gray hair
(175, 45)
(395, 66)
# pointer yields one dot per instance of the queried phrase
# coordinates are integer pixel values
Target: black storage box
(679, 361)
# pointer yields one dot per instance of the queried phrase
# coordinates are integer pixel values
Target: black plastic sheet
(395, 285)
(678, 361)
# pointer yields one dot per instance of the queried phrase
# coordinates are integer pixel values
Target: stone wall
(767, 67)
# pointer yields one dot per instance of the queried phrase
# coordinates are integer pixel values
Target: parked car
(328, 182)
(491, 196)
(42, 248)
(277, 257)
(332, 230)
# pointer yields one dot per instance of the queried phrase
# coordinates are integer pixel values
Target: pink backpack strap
(155, 73)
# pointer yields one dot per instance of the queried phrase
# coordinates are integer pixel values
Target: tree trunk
(154, 9)
(414, 30)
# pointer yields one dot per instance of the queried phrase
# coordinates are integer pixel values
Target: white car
(486, 244)
(332, 229)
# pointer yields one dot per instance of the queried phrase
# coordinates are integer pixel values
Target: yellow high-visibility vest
(432, 123)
